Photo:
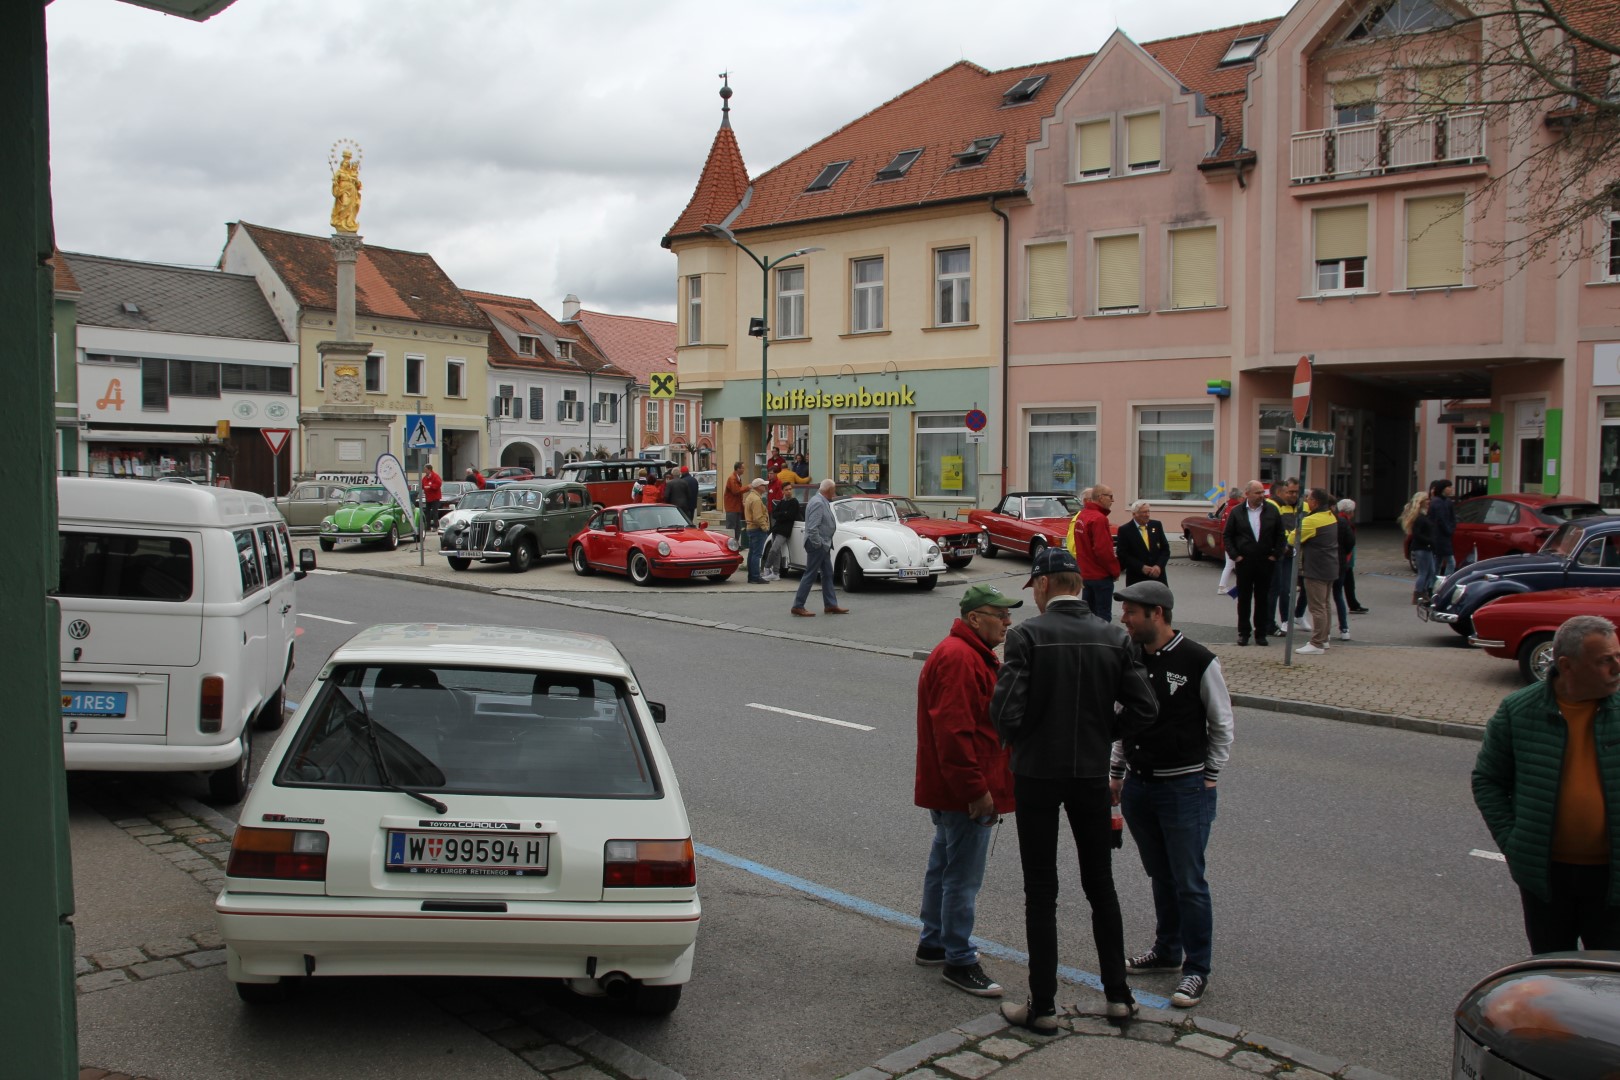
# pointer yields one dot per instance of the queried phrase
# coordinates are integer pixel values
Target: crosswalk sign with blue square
(421, 431)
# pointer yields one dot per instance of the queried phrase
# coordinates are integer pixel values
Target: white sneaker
(1308, 650)
(1221, 588)
(1344, 635)
(1305, 622)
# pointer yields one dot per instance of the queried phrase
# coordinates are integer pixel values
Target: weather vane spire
(725, 99)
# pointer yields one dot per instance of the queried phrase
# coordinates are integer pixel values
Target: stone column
(345, 249)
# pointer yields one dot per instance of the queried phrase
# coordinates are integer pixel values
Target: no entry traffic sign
(1302, 389)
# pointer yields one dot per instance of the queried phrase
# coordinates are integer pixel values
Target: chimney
(570, 308)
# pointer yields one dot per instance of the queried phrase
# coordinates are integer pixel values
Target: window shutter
(560, 406)
(495, 406)
(537, 402)
(1048, 280)
(1143, 145)
(517, 408)
(1355, 92)
(1119, 269)
(1193, 269)
(1434, 242)
(1341, 233)
(1442, 87)
(1096, 150)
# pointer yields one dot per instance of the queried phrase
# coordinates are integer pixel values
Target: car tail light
(288, 854)
(211, 704)
(648, 863)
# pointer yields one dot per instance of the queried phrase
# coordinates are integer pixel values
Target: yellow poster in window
(874, 472)
(950, 473)
(843, 472)
(1178, 472)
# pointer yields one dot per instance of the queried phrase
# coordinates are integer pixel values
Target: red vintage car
(958, 543)
(1025, 522)
(1511, 523)
(652, 540)
(1521, 626)
(1206, 533)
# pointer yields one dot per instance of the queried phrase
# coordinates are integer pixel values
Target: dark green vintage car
(525, 520)
(368, 515)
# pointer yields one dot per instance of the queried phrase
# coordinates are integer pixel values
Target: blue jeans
(1098, 595)
(817, 563)
(1424, 561)
(1170, 820)
(755, 539)
(951, 885)
(1283, 576)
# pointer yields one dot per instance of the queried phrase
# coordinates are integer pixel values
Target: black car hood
(1507, 566)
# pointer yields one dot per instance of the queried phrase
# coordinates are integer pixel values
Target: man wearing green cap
(963, 781)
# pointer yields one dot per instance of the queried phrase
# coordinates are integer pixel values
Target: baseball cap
(685, 469)
(758, 482)
(1052, 561)
(979, 596)
(1148, 594)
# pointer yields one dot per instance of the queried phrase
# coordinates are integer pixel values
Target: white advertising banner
(391, 475)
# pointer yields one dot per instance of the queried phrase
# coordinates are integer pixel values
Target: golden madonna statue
(346, 194)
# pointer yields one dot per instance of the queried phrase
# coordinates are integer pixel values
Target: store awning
(148, 436)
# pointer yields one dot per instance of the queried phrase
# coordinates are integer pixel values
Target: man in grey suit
(819, 526)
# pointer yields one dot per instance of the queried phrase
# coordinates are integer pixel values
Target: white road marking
(810, 716)
(331, 573)
(324, 618)
(1495, 856)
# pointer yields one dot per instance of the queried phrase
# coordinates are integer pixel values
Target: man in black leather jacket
(1054, 707)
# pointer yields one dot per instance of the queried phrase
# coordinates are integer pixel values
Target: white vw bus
(178, 617)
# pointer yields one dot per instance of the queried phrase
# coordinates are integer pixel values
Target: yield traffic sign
(422, 431)
(663, 386)
(1302, 389)
(276, 437)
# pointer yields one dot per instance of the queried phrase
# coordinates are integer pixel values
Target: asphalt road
(1350, 913)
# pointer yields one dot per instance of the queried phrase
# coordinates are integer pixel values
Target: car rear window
(121, 566)
(473, 731)
(1558, 513)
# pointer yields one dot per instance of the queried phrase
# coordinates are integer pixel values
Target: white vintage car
(872, 542)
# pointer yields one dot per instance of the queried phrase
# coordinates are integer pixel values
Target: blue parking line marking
(911, 922)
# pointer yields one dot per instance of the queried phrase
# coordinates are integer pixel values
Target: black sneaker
(930, 955)
(1189, 991)
(971, 977)
(1151, 963)
(1026, 1016)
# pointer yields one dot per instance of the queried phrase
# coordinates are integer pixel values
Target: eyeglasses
(1000, 613)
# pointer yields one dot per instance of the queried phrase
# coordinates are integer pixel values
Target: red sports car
(652, 540)
(1521, 626)
(958, 543)
(1206, 533)
(1025, 522)
(1512, 523)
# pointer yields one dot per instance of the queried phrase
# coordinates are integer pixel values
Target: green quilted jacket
(1516, 781)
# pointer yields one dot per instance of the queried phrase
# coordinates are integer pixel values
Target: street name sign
(1310, 443)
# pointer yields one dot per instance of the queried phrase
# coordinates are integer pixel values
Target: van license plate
(95, 703)
(467, 854)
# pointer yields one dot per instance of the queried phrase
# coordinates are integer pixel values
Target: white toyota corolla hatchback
(467, 800)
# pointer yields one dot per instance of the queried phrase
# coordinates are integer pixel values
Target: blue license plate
(95, 703)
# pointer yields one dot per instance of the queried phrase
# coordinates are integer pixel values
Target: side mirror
(703, 524)
(658, 711)
(306, 563)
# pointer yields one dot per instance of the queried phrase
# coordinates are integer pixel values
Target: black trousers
(1254, 594)
(1577, 915)
(1086, 802)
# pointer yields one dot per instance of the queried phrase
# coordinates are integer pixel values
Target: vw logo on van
(78, 629)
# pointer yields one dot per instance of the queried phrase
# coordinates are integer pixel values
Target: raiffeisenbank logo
(859, 398)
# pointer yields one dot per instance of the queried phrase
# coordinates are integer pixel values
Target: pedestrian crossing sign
(421, 431)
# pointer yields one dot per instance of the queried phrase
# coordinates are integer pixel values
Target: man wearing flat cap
(962, 781)
(1070, 685)
(756, 522)
(1164, 779)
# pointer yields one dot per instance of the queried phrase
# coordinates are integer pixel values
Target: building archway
(521, 454)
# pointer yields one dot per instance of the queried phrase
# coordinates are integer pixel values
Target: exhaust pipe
(616, 984)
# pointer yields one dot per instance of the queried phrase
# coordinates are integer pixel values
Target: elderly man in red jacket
(1092, 546)
(963, 781)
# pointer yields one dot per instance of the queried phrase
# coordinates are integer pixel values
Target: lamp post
(760, 327)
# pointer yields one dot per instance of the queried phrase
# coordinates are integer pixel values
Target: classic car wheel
(986, 548)
(640, 570)
(1192, 547)
(1464, 626)
(850, 577)
(230, 784)
(1536, 657)
(327, 545)
(1036, 546)
(959, 564)
(458, 563)
(655, 1000)
(392, 543)
(522, 557)
(262, 993)
(582, 565)
(928, 582)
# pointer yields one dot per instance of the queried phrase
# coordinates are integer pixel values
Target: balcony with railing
(1377, 147)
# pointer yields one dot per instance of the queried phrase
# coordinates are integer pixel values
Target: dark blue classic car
(1557, 1015)
(1585, 552)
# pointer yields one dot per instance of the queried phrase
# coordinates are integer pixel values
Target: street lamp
(760, 327)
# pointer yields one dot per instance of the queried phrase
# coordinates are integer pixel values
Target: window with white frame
(528, 345)
(570, 409)
(375, 383)
(1144, 142)
(1434, 242)
(1194, 268)
(606, 410)
(953, 286)
(705, 427)
(1339, 234)
(694, 309)
(866, 300)
(455, 378)
(1119, 274)
(1093, 149)
(1355, 101)
(1611, 248)
(1062, 449)
(652, 415)
(790, 302)
(565, 350)
(861, 451)
(1175, 452)
(678, 417)
(1047, 276)
(947, 464)
(505, 397)
(415, 375)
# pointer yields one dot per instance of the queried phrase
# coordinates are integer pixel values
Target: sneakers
(1189, 991)
(1025, 1016)
(1344, 635)
(971, 977)
(1151, 963)
(1123, 1010)
(1305, 622)
(1308, 649)
(1280, 631)
(1219, 588)
(930, 955)
(1359, 610)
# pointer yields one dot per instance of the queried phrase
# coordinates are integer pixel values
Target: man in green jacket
(1547, 782)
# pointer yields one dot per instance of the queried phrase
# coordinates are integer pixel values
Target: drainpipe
(1006, 331)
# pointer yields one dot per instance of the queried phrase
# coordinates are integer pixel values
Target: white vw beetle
(872, 542)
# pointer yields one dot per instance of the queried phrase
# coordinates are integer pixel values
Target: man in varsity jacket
(1164, 779)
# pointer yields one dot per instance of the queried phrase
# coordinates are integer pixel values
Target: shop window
(790, 302)
(1062, 450)
(953, 286)
(1434, 242)
(1340, 240)
(1175, 452)
(1047, 271)
(861, 451)
(947, 464)
(1609, 455)
(1193, 267)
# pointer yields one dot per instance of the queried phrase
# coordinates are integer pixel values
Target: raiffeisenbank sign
(859, 398)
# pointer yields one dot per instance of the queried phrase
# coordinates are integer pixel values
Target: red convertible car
(1205, 533)
(652, 540)
(958, 543)
(1521, 626)
(1025, 522)
(1512, 523)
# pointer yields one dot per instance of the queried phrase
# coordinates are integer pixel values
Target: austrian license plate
(965, 551)
(713, 571)
(1471, 1061)
(467, 854)
(1423, 612)
(347, 541)
(95, 703)
(910, 573)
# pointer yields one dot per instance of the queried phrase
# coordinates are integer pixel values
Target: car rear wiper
(382, 766)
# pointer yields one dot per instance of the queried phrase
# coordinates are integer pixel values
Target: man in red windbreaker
(1092, 546)
(963, 781)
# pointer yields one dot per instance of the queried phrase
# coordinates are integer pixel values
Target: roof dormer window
(1024, 90)
(1243, 50)
(903, 161)
(976, 151)
(565, 350)
(828, 176)
(528, 345)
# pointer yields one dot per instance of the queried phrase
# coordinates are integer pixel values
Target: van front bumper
(83, 755)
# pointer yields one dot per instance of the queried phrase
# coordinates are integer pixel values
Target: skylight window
(895, 169)
(976, 151)
(828, 176)
(1243, 50)
(1024, 89)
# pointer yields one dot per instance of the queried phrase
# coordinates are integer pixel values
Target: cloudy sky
(534, 147)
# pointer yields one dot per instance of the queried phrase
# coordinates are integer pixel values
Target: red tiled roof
(942, 115)
(719, 188)
(639, 346)
(524, 316)
(65, 281)
(388, 283)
